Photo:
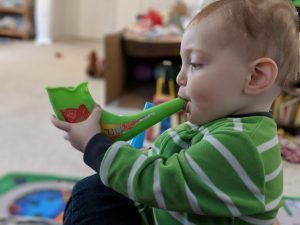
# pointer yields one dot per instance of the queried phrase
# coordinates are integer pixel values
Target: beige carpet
(28, 141)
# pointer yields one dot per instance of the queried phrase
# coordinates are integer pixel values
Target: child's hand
(80, 133)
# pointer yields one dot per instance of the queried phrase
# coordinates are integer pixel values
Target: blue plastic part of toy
(165, 125)
(138, 141)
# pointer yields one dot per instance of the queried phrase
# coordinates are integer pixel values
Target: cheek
(208, 94)
(201, 92)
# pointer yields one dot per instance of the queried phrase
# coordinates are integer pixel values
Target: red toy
(152, 18)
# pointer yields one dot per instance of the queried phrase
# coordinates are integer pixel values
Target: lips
(187, 107)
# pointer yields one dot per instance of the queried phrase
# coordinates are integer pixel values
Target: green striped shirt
(227, 171)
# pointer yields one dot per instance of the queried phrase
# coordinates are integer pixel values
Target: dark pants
(92, 203)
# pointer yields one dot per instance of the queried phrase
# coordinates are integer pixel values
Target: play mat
(35, 199)
(27, 198)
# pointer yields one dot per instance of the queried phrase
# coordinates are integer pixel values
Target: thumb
(96, 113)
(61, 124)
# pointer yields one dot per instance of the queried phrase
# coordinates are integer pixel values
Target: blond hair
(266, 28)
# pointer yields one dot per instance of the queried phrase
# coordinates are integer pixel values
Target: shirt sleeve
(221, 175)
(95, 150)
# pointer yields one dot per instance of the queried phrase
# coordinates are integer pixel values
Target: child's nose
(181, 78)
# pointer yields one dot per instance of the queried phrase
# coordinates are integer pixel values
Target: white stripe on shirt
(176, 138)
(238, 125)
(236, 166)
(222, 196)
(108, 161)
(193, 200)
(205, 131)
(137, 164)
(193, 126)
(274, 174)
(268, 145)
(156, 186)
(156, 149)
(273, 204)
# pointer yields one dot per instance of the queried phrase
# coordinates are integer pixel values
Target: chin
(191, 119)
(197, 121)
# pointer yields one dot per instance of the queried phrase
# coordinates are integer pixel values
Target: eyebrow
(190, 50)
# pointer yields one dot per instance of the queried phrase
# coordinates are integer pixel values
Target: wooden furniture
(286, 109)
(123, 50)
(23, 13)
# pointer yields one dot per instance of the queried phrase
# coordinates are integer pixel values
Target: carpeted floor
(28, 141)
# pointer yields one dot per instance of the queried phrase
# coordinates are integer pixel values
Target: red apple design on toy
(73, 115)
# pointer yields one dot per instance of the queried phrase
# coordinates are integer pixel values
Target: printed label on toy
(73, 115)
(116, 130)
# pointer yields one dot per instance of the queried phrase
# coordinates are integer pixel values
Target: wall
(95, 18)
(89, 22)
(156, 4)
(125, 13)
(82, 18)
(58, 18)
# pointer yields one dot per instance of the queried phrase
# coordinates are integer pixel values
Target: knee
(90, 184)
(92, 188)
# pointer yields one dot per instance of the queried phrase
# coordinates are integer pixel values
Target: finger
(61, 124)
(96, 113)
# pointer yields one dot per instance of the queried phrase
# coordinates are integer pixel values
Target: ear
(263, 73)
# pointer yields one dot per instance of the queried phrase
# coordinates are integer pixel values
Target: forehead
(207, 32)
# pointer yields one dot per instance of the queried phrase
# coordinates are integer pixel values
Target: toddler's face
(213, 71)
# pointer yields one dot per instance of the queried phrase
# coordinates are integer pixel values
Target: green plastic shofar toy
(74, 104)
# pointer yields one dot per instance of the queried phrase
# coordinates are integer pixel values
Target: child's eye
(196, 66)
